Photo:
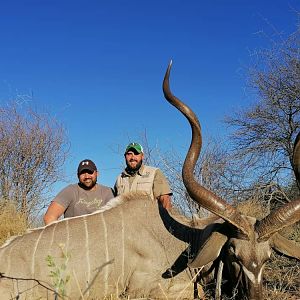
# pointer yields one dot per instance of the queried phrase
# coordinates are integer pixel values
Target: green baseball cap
(135, 147)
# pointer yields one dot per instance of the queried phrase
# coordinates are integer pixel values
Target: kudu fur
(122, 249)
(241, 245)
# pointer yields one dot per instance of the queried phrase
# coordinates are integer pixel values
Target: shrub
(12, 222)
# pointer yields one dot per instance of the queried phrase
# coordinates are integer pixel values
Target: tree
(213, 171)
(33, 148)
(264, 132)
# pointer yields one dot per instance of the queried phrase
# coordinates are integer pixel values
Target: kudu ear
(285, 246)
(209, 251)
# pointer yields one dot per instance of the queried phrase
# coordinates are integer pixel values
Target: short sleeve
(160, 184)
(108, 194)
(65, 196)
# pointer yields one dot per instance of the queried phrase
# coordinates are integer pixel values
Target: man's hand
(166, 201)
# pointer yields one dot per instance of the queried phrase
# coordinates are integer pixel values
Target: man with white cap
(140, 177)
(82, 198)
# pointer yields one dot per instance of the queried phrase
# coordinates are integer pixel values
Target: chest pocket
(145, 185)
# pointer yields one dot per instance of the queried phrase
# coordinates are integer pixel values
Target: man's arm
(115, 189)
(165, 200)
(161, 189)
(54, 211)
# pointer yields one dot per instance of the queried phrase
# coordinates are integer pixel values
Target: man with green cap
(140, 177)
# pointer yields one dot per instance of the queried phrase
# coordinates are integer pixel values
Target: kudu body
(241, 246)
(121, 251)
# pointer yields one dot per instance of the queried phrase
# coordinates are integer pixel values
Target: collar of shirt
(139, 172)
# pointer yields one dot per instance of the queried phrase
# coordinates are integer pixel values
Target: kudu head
(244, 244)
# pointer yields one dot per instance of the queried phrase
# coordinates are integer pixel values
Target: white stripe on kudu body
(106, 253)
(87, 250)
(34, 252)
(123, 247)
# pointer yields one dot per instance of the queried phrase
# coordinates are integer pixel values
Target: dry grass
(282, 278)
(282, 274)
(12, 222)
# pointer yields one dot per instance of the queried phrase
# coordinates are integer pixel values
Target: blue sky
(98, 66)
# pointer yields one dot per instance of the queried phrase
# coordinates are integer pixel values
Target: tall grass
(12, 222)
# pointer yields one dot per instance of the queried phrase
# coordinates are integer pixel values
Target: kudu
(134, 247)
(122, 249)
(241, 245)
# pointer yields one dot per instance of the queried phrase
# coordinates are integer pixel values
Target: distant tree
(264, 132)
(33, 148)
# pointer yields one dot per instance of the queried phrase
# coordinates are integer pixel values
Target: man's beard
(88, 186)
(131, 170)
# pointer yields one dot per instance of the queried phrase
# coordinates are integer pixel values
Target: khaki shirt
(148, 179)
